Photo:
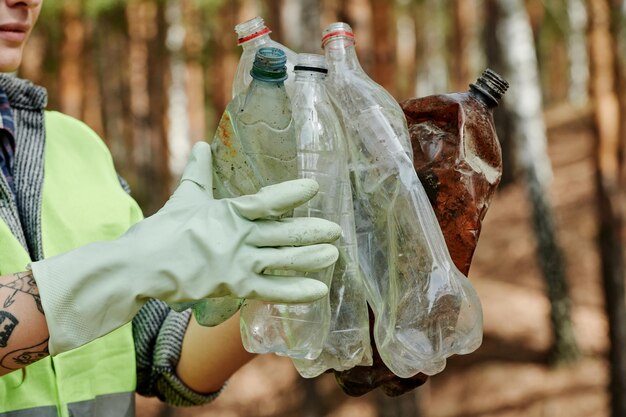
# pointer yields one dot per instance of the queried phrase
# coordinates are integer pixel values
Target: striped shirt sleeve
(158, 332)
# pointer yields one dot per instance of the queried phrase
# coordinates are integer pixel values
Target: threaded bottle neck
(339, 47)
(311, 67)
(338, 33)
(251, 29)
(490, 87)
(269, 65)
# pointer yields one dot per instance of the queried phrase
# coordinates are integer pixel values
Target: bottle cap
(269, 65)
(491, 85)
(335, 30)
(251, 29)
(311, 62)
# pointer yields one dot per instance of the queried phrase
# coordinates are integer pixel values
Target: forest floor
(510, 375)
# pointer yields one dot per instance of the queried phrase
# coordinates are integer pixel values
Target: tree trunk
(577, 52)
(432, 77)
(179, 123)
(384, 68)
(71, 86)
(464, 32)
(609, 195)
(111, 45)
(310, 17)
(502, 117)
(158, 85)
(273, 18)
(92, 102)
(225, 56)
(147, 102)
(406, 49)
(524, 103)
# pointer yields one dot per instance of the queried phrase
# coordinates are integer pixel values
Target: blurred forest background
(153, 76)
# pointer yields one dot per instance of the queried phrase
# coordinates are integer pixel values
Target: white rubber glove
(195, 247)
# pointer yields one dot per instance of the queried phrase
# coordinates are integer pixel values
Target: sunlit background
(153, 76)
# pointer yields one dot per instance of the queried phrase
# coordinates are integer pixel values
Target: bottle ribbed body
(322, 156)
(301, 331)
(254, 146)
(425, 309)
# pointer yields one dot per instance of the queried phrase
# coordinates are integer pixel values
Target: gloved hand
(194, 247)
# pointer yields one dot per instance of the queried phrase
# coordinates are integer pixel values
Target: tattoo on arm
(7, 324)
(22, 357)
(23, 282)
(20, 343)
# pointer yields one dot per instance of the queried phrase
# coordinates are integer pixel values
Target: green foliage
(208, 5)
(51, 10)
(94, 8)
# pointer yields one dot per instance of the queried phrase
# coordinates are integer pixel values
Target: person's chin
(10, 58)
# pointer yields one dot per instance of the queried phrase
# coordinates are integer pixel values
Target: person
(89, 289)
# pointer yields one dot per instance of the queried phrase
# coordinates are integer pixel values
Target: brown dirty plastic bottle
(458, 159)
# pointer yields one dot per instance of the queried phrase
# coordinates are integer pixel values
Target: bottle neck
(483, 99)
(489, 88)
(267, 89)
(310, 76)
(340, 52)
(255, 42)
(267, 101)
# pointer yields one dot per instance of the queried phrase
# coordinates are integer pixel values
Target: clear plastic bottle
(322, 156)
(252, 35)
(425, 309)
(254, 146)
(458, 159)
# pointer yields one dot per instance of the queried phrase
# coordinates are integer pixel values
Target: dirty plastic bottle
(254, 146)
(458, 159)
(322, 156)
(425, 309)
(300, 330)
(252, 35)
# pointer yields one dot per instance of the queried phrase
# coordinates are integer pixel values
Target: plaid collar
(6, 114)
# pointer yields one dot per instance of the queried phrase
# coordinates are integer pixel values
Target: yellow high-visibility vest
(82, 202)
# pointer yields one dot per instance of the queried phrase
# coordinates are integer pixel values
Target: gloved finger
(275, 200)
(298, 231)
(199, 168)
(282, 289)
(299, 258)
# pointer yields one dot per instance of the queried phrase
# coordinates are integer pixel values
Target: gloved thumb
(199, 167)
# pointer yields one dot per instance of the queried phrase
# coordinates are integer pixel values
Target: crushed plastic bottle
(252, 35)
(425, 309)
(458, 160)
(322, 156)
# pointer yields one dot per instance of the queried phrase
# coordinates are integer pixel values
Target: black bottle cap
(491, 86)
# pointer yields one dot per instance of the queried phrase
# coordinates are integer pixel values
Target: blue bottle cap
(269, 65)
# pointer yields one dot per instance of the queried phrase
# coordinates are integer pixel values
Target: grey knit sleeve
(158, 332)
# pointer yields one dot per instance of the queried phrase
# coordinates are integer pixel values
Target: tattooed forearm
(23, 329)
(7, 324)
(22, 357)
(23, 282)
